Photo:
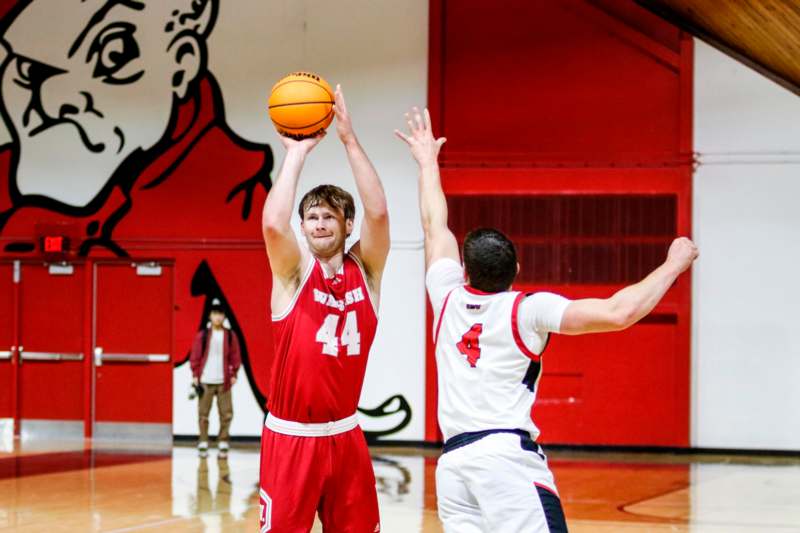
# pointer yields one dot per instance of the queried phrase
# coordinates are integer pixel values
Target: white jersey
(488, 351)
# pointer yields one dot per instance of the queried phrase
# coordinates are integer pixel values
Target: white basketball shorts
(498, 483)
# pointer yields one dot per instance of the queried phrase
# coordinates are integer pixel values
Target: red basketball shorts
(330, 475)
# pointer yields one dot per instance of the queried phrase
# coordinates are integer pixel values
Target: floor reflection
(392, 478)
(221, 493)
(117, 490)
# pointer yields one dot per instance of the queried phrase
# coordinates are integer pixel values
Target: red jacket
(231, 360)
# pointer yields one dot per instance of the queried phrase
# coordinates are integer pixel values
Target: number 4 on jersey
(350, 335)
(470, 345)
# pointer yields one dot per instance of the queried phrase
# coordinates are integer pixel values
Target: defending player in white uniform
(492, 476)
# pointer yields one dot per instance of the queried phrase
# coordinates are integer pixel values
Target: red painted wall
(591, 100)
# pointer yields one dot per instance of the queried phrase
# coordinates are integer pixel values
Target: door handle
(98, 356)
(19, 354)
(52, 356)
(137, 357)
(9, 354)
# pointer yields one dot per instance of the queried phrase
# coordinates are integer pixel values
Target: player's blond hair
(329, 195)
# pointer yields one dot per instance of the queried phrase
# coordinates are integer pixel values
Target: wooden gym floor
(76, 488)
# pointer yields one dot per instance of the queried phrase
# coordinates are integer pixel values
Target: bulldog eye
(24, 71)
(112, 51)
(29, 73)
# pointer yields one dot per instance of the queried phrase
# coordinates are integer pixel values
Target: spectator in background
(215, 361)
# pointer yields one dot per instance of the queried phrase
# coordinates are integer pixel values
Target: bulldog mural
(118, 139)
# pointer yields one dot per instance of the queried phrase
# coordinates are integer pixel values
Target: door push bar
(100, 357)
(49, 356)
(22, 355)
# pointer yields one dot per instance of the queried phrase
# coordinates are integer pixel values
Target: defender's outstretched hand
(424, 146)
(344, 126)
(682, 253)
(439, 240)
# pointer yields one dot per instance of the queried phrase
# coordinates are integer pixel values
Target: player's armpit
(287, 263)
(285, 287)
(373, 274)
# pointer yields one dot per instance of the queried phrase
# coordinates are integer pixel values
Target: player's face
(217, 318)
(85, 89)
(325, 230)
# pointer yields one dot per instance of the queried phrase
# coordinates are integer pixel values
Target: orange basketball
(301, 105)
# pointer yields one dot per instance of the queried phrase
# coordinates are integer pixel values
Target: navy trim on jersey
(463, 439)
(532, 375)
(530, 445)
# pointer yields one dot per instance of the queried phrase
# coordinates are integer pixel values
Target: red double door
(85, 350)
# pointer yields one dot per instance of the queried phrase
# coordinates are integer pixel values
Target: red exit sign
(55, 244)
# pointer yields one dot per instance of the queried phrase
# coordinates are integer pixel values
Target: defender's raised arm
(439, 240)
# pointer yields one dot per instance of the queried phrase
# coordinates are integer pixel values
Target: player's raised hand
(304, 146)
(424, 146)
(682, 253)
(344, 126)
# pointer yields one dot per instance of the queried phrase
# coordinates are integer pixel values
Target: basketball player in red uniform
(314, 457)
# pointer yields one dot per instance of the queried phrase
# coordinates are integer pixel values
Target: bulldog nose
(61, 98)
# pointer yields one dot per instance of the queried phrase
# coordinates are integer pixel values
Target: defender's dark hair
(490, 260)
(334, 196)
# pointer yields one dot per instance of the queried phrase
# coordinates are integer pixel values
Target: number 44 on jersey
(350, 336)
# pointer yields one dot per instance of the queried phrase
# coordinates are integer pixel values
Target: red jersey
(321, 345)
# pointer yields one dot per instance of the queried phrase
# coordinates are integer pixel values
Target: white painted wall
(745, 342)
(377, 50)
